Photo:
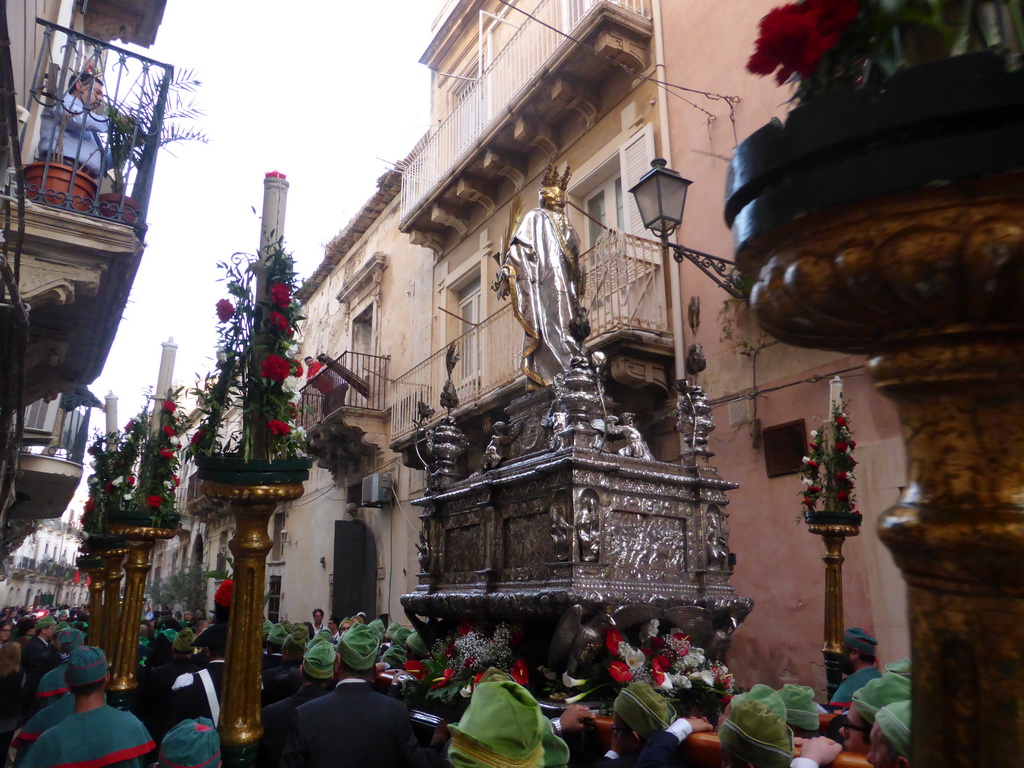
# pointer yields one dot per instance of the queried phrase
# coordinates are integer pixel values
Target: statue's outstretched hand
(500, 285)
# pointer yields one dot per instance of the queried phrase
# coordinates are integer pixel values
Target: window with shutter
(635, 157)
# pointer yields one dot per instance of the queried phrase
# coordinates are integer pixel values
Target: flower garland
(112, 483)
(667, 661)
(828, 45)
(258, 371)
(160, 465)
(828, 468)
(458, 661)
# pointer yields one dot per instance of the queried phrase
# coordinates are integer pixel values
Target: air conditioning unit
(376, 489)
(41, 416)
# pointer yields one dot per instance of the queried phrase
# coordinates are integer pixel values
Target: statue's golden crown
(554, 181)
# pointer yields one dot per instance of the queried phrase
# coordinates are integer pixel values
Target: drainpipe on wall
(672, 267)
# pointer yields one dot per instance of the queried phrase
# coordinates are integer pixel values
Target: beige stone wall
(778, 560)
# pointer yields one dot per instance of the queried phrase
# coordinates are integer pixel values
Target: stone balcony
(537, 82)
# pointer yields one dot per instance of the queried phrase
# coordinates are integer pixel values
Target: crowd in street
(322, 705)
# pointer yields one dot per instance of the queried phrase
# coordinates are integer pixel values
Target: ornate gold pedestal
(123, 683)
(252, 506)
(929, 284)
(97, 581)
(834, 650)
(112, 559)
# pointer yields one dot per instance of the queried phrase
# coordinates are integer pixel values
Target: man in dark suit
(39, 656)
(356, 725)
(282, 681)
(197, 694)
(316, 670)
(155, 695)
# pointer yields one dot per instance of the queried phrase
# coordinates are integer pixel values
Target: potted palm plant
(134, 130)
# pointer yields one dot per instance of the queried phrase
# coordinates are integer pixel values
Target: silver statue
(541, 272)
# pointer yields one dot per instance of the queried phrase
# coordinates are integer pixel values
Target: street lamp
(661, 197)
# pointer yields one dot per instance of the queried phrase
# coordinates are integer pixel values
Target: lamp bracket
(722, 271)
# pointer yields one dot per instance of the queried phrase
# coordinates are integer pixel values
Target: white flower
(634, 658)
(169, 485)
(291, 349)
(466, 692)
(705, 676)
(174, 440)
(549, 674)
(666, 684)
(814, 433)
(806, 481)
(292, 384)
(116, 482)
(571, 682)
(681, 681)
(222, 354)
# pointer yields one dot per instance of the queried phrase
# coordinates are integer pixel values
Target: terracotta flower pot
(114, 205)
(62, 184)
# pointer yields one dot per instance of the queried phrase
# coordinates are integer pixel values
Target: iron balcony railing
(71, 429)
(485, 101)
(354, 380)
(26, 563)
(623, 290)
(96, 122)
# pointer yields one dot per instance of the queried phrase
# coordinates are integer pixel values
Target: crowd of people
(321, 690)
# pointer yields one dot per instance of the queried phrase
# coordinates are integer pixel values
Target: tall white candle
(835, 395)
(163, 380)
(110, 409)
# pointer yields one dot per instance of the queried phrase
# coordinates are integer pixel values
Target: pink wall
(779, 562)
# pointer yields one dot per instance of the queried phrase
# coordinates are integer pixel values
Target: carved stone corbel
(476, 192)
(535, 135)
(441, 214)
(575, 97)
(428, 239)
(497, 165)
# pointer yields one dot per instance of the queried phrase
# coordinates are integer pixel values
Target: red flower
(841, 475)
(813, 446)
(469, 662)
(278, 427)
(280, 324)
(619, 671)
(93, 450)
(657, 676)
(131, 480)
(840, 421)
(841, 446)
(129, 426)
(109, 487)
(177, 481)
(296, 368)
(154, 500)
(657, 643)
(168, 430)
(842, 496)
(812, 464)
(612, 640)
(90, 505)
(442, 681)
(199, 435)
(520, 672)
(808, 501)
(814, 489)
(222, 596)
(225, 310)
(416, 668)
(451, 649)
(170, 406)
(281, 295)
(794, 38)
(660, 663)
(465, 627)
(853, 444)
(275, 367)
(166, 453)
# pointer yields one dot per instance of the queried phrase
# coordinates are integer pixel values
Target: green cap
(86, 665)
(323, 636)
(389, 633)
(394, 657)
(503, 726)
(644, 709)
(894, 723)
(61, 626)
(46, 621)
(191, 744)
(767, 696)
(415, 644)
(754, 734)
(69, 639)
(899, 667)
(278, 634)
(378, 629)
(267, 626)
(858, 639)
(401, 635)
(184, 642)
(295, 641)
(800, 709)
(318, 662)
(880, 692)
(358, 647)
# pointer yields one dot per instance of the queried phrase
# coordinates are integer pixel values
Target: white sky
(316, 90)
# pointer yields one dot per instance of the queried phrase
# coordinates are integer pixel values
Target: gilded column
(97, 581)
(833, 650)
(252, 506)
(112, 559)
